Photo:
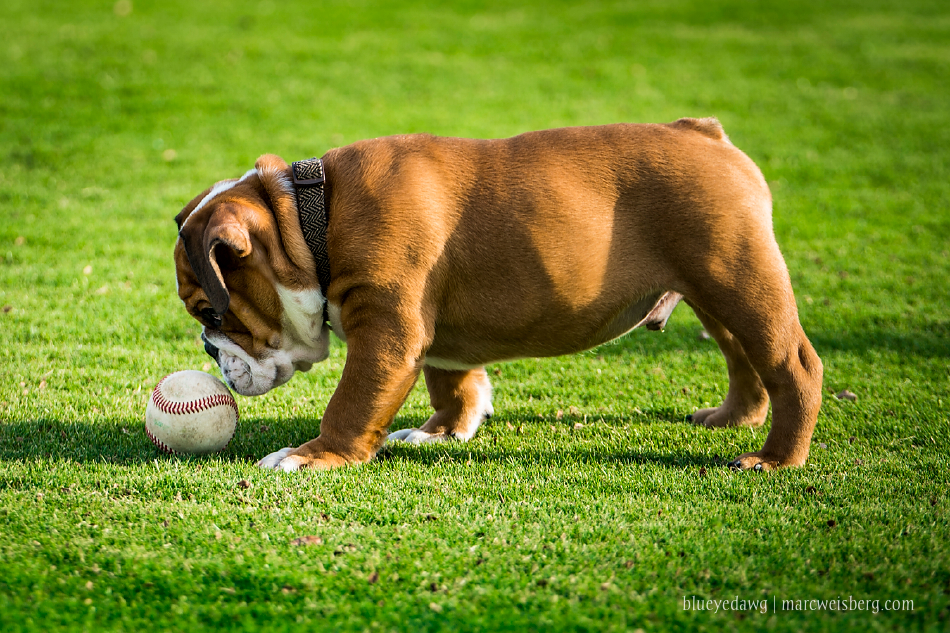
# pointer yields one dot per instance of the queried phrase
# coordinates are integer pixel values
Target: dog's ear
(224, 228)
(184, 213)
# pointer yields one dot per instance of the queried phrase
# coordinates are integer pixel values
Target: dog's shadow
(521, 439)
(502, 440)
(676, 459)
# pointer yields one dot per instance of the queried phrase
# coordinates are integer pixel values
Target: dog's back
(601, 220)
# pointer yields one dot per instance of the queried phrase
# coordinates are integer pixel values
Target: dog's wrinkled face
(252, 369)
(262, 314)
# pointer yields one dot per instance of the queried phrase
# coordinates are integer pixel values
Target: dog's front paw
(276, 461)
(416, 436)
(289, 461)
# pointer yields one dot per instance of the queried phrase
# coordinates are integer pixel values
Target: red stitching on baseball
(160, 443)
(192, 406)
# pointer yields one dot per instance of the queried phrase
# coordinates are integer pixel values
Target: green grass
(110, 123)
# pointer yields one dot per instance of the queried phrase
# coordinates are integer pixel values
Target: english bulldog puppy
(446, 254)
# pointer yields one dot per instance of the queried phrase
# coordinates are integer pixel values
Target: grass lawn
(587, 502)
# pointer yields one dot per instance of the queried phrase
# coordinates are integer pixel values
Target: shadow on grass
(125, 443)
(676, 459)
(513, 437)
(932, 340)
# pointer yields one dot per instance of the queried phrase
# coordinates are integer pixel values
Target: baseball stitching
(157, 442)
(193, 406)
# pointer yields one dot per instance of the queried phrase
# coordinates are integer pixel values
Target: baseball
(191, 412)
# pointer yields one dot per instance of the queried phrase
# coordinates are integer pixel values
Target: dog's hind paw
(722, 417)
(416, 436)
(751, 464)
(760, 461)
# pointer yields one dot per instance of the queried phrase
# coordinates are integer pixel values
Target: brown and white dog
(447, 254)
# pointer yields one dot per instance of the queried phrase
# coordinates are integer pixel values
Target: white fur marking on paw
(290, 464)
(416, 436)
(273, 460)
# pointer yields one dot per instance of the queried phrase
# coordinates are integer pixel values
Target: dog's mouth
(252, 381)
(250, 376)
(210, 349)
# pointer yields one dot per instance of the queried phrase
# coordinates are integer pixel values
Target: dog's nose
(211, 349)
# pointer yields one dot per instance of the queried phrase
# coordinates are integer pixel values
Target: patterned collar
(309, 179)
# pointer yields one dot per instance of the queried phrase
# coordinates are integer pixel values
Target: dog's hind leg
(461, 399)
(792, 374)
(753, 316)
(747, 402)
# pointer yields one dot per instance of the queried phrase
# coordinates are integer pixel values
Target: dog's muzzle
(213, 351)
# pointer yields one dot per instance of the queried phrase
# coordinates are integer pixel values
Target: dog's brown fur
(547, 243)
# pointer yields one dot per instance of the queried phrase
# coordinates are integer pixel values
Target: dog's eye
(210, 316)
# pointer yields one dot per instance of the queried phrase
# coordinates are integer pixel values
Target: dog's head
(246, 274)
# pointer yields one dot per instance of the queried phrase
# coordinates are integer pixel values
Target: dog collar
(309, 179)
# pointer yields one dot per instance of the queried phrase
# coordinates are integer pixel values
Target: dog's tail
(710, 126)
